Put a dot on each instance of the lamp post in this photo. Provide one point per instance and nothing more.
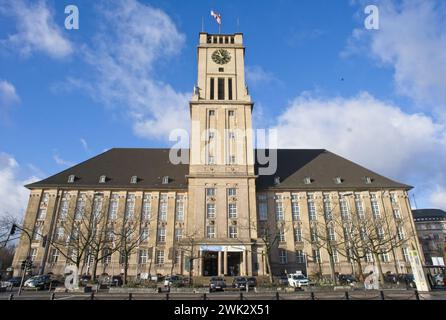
(28, 256)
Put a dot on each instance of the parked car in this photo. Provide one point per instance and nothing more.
(297, 280)
(41, 282)
(15, 281)
(173, 281)
(116, 281)
(252, 282)
(390, 278)
(347, 280)
(83, 280)
(408, 279)
(283, 280)
(217, 283)
(239, 282)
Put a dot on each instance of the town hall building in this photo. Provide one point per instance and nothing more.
(218, 213)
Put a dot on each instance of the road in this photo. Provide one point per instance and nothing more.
(228, 296)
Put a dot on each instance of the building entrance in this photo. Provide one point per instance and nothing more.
(210, 263)
(234, 261)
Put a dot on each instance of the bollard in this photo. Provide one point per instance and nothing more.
(277, 296)
(53, 296)
(167, 296)
(417, 295)
(347, 297)
(312, 295)
(11, 297)
(130, 296)
(241, 295)
(92, 296)
(382, 295)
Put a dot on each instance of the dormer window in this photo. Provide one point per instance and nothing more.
(276, 180)
(338, 180)
(368, 180)
(307, 180)
(134, 180)
(102, 179)
(71, 178)
(166, 180)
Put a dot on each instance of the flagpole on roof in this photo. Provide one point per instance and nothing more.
(202, 24)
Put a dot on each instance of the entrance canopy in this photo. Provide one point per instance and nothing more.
(223, 248)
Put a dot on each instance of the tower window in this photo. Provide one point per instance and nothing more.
(230, 88)
(231, 113)
(232, 39)
(211, 112)
(220, 39)
(212, 89)
(221, 69)
(221, 88)
(226, 40)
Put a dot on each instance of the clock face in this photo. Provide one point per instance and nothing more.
(221, 56)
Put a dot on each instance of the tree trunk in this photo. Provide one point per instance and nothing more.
(332, 268)
(360, 272)
(268, 265)
(95, 268)
(126, 267)
(380, 270)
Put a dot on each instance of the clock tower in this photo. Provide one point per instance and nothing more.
(221, 181)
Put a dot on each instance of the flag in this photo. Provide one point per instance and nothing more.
(216, 16)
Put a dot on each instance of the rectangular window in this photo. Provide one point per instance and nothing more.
(210, 210)
(161, 235)
(130, 206)
(359, 207)
(232, 210)
(397, 213)
(335, 256)
(159, 257)
(41, 214)
(298, 234)
(232, 192)
(283, 257)
(80, 207)
(37, 235)
(263, 211)
(107, 256)
(142, 257)
(327, 208)
(54, 255)
(212, 89)
(146, 207)
(178, 234)
(279, 211)
(369, 257)
(406, 254)
(345, 213)
(380, 232)
(144, 234)
(316, 256)
(295, 210)
(97, 206)
(113, 210)
(60, 233)
(375, 207)
(64, 207)
(232, 160)
(311, 208)
(384, 256)
(210, 231)
(221, 88)
(179, 215)
(33, 254)
(314, 236)
(282, 235)
(300, 257)
(230, 88)
(331, 233)
(210, 192)
(401, 234)
(233, 232)
(163, 207)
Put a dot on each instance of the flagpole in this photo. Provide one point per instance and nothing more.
(202, 24)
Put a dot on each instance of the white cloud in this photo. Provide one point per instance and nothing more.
(36, 29)
(256, 75)
(123, 59)
(379, 135)
(412, 41)
(438, 198)
(13, 194)
(8, 95)
(84, 145)
(61, 161)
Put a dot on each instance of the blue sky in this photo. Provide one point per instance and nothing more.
(315, 73)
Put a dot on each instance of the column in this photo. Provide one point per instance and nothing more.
(249, 263)
(243, 264)
(200, 263)
(219, 263)
(264, 263)
(225, 262)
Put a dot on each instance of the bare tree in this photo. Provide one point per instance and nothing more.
(188, 245)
